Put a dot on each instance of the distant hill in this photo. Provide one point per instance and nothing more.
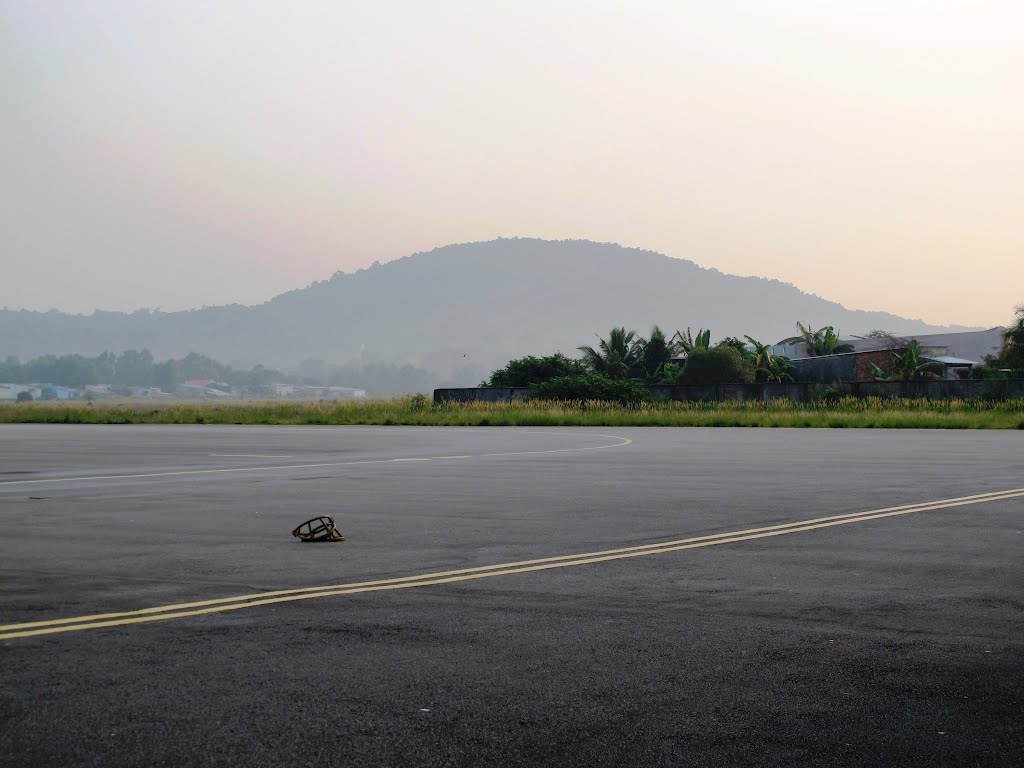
(460, 311)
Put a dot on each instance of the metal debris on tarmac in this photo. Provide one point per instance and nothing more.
(318, 529)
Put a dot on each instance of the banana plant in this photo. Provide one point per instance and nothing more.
(907, 366)
(769, 367)
(824, 341)
(686, 343)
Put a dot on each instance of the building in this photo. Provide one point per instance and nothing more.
(857, 366)
(9, 392)
(967, 345)
(830, 369)
(953, 368)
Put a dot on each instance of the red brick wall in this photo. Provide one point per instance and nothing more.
(881, 358)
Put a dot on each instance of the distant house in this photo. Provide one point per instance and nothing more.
(195, 388)
(11, 391)
(856, 366)
(953, 368)
(966, 345)
(954, 354)
(147, 391)
(313, 392)
(55, 392)
(345, 392)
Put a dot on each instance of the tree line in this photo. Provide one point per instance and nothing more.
(135, 368)
(623, 365)
(131, 368)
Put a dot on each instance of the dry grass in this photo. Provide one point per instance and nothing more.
(417, 410)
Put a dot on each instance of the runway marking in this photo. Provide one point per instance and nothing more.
(623, 441)
(220, 605)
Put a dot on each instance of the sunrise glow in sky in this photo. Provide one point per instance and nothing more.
(176, 154)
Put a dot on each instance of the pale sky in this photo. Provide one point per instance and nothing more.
(179, 154)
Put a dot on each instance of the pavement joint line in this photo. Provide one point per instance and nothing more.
(225, 470)
(252, 455)
(185, 610)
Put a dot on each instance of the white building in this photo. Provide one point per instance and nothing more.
(9, 392)
(968, 346)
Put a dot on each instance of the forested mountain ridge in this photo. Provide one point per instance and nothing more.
(460, 310)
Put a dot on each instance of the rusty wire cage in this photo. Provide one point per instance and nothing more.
(320, 528)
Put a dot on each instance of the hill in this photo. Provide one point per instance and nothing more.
(460, 311)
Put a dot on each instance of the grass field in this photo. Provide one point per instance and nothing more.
(418, 410)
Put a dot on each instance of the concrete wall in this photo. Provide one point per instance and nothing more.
(798, 392)
(804, 391)
(936, 390)
(721, 392)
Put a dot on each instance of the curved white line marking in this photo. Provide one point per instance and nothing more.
(226, 470)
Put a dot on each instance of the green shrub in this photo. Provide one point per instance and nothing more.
(718, 365)
(669, 373)
(592, 386)
(829, 397)
(530, 370)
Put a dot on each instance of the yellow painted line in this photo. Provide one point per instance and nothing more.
(919, 506)
(623, 441)
(185, 610)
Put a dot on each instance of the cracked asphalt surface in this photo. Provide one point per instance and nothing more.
(885, 642)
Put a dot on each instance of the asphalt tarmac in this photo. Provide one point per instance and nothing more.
(680, 613)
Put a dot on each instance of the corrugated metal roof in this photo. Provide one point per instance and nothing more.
(952, 361)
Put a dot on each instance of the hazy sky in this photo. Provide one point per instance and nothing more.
(175, 154)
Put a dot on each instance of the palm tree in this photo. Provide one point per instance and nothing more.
(769, 367)
(1012, 353)
(906, 366)
(685, 344)
(655, 353)
(824, 341)
(618, 356)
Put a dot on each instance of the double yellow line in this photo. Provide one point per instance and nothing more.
(224, 604)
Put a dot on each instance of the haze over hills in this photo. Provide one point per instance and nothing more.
(459, 311)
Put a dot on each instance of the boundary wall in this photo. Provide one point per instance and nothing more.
(798, 392)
